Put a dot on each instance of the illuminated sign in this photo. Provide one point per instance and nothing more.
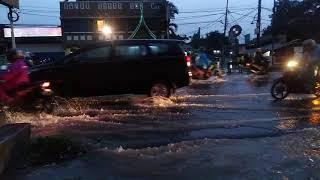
(12, 3)
(34, 32)
(89, 9)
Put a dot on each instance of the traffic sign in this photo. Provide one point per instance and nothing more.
(235, 31)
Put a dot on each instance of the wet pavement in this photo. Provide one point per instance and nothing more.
(223, 128)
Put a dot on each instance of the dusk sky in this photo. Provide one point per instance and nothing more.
(200, 13)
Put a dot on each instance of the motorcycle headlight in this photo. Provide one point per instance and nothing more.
(45, 85)
(292, 64)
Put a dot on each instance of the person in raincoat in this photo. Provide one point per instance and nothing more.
(15, 76)
(202, 60)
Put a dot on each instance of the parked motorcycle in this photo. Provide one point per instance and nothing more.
(291, 82)
(32, 96)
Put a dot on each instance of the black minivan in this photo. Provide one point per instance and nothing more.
(153, 67)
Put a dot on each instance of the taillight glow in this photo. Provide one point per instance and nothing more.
(188, 60)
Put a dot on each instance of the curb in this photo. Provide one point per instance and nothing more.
(14, 139)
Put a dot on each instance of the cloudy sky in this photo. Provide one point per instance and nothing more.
(206, 14)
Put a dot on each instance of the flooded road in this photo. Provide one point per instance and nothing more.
(208, 126)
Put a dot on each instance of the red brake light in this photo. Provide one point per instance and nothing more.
(188, 60)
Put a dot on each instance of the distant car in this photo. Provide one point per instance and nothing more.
(153, 67)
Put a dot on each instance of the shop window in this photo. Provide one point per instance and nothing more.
(100, 25)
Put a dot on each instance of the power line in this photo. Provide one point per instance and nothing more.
(250, 16)
(41, 7)
(207, 26)
(201, 16)
(268, 9)
(209, 11)
(43, 15)
(195, 17)
(244, 16)
(212, 9)
(39, 10)
(201, 22)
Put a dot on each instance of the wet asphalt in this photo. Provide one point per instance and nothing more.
(211, 124)
(237, 106)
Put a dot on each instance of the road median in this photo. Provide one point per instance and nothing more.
(14, 141)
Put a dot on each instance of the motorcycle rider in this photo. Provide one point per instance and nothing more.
(259, 62)
(202, 60)
(15, 76)
(311, 56)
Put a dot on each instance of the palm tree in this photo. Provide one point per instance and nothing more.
(173, 11)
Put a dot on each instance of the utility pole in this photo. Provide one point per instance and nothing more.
(259, 23)
(13, 39)
(273, 29)
(226, 19)
(225, 33)
(11, 4)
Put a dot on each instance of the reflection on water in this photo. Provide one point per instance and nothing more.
(259, 80)
(314, 118)
(310, 117)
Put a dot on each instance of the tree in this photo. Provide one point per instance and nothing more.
(296, 19)
(173, 27)
(212, 40)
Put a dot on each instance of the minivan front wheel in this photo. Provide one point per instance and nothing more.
(161, 89)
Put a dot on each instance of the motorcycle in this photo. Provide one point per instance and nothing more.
(290, 82)
(202, 73)
(258, 69)
(34, 95)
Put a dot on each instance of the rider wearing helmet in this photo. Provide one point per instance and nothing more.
(311, 57)
(15, 76)
(260, 63)
(311, 52)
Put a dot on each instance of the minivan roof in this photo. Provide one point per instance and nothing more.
(133, 41)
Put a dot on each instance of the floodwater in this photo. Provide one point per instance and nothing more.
(211, 129)
(235, 106)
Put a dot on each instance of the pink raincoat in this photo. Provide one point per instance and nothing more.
(16, 75)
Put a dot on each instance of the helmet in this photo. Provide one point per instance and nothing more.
(309, 44)
(15, 54)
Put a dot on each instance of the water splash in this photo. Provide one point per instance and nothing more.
(211, 80)
(154, 102)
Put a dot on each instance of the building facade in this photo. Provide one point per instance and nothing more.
(86, 22)
(45, 42)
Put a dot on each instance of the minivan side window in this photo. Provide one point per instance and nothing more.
(95, 54)
(130, 51)
(159, 49)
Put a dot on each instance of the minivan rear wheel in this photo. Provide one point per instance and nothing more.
(161, 89)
